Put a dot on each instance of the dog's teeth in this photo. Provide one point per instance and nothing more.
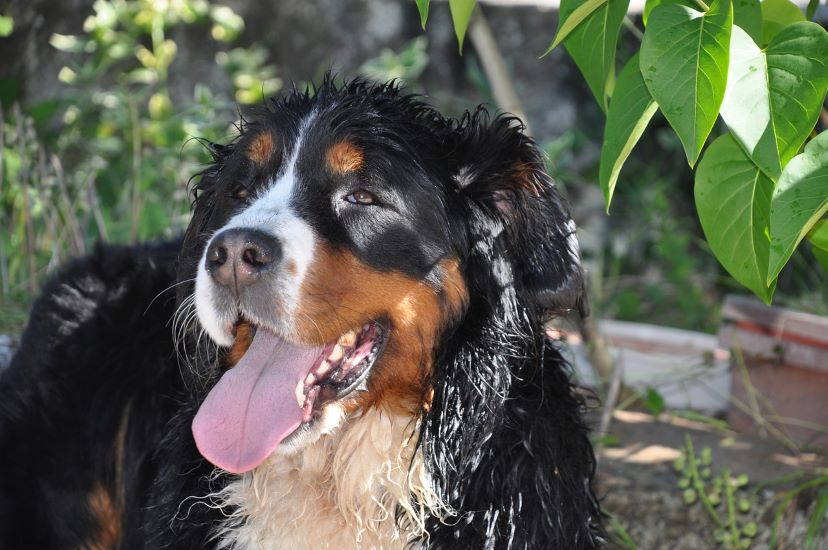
(336, 354)
(300, 394)
(324, 368)
(348, 339)
(310, 379)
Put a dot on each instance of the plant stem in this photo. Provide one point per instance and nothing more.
(635, 31)
(703, 6)
(698, 484)
(731, 507)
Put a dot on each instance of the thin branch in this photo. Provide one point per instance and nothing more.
(635, 31)
(486, 47)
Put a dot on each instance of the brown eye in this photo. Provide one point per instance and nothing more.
(240, 192)
(361, 197)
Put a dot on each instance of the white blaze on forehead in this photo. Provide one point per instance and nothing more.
(272, 213)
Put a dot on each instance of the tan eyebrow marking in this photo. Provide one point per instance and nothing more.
(344, 157)
(262, 147)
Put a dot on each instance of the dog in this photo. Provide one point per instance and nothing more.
(345, 350)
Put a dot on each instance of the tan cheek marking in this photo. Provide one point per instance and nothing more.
(340, 293)
(344, 158)
(108, 518)
(244, 337)
(262, 148)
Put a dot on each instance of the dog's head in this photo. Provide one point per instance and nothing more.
(341, 242)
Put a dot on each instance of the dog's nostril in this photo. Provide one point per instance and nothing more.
(216, 254)
(254, 257)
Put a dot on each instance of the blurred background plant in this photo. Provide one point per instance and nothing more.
(110, 157)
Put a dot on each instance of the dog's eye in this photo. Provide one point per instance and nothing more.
(361, 196)
(240, 192)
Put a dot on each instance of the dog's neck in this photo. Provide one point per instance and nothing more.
(343, 491)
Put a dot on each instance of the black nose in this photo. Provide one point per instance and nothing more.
(236, 257)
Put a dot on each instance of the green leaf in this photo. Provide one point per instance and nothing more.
(776, 15)
(797, 60)
(6, 25)
(650, 5)
(822, 257)
(461, 12)
(422, 7)
(684, 58)
(654, 401)
(812, 536)
(733, 202)
(569, 20)
(630, 110)
(799, 201)
(767, 106)
(746, 108)
(747, 14)
(810, 11)
(818, 235)
(593, 44)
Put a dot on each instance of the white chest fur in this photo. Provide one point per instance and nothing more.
(340, 492)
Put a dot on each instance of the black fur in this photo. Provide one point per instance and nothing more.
(503, 436)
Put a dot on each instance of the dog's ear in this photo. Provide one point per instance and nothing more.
(500, 170)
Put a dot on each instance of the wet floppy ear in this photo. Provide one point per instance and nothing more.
(501, 171)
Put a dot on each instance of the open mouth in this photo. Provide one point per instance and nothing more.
(277, 387)
(342, 368)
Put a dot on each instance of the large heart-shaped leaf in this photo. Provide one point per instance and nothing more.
(766, 106)
(684, 58)
(733, 202)
(592, 44)
(799, 201)
(630, 110)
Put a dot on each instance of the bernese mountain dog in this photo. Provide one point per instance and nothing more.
(346, 350)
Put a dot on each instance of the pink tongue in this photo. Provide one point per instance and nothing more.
(253, 406)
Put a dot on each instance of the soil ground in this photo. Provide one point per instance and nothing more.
(639, 485)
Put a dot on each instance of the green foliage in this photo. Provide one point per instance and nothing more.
(628, 116)
(593, 42)
(762, 69)
(726, 181)
(653, 400)
(724, 497)
(406, 65)
(684, 58)
(799, 201)
(6, 25)
(112, 165)
(776, 15)
(461, 12)
(422, 7)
